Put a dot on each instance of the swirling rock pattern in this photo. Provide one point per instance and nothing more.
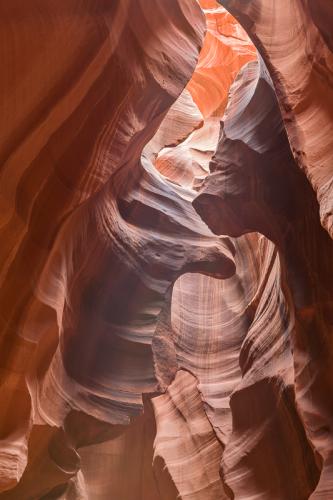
(225, 49)
(255, 185)
(295, 40)
(87, 121)
(165, 282)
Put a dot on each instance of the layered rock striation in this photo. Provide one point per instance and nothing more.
(165, 279)
(256, 186)
(295, 40)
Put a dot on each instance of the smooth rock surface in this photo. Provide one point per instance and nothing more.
(166, 281)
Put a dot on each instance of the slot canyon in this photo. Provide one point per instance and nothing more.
(166, 256)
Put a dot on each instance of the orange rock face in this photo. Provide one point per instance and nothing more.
(165, 265)
(225, 49)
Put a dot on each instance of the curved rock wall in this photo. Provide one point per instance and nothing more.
(255, 185)
(295, 39)
(165, 281)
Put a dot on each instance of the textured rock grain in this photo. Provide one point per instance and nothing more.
(255, 185)
(295, 39)
(166, 279)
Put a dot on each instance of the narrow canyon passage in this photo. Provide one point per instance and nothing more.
(166, 283)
